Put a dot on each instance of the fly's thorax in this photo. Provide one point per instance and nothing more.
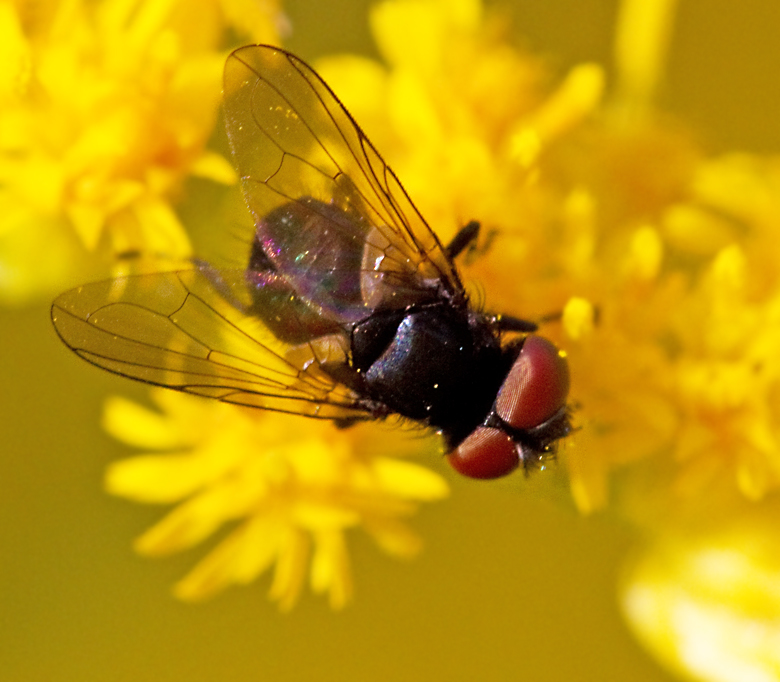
(429, 363)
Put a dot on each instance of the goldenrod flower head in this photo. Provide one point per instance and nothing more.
(660, 260)
(707, 603)
(105, 108)
(294, 487)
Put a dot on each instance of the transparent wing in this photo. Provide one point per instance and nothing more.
(295, 143)
(186, 331)
(335, 236)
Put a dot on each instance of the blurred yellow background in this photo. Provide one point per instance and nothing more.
(512, 584)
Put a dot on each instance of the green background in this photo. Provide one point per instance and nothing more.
(513, 583)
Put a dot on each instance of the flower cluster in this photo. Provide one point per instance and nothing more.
(105, 110)
(660, 259)
(292, 491)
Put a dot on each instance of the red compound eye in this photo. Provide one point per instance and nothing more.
(536, 386)
(533, 392)
(486, 453)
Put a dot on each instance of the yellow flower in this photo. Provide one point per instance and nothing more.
(290, 487)
(105, 110)
(672, 251)
(707, 603)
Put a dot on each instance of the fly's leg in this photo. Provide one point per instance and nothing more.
(466, 235)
